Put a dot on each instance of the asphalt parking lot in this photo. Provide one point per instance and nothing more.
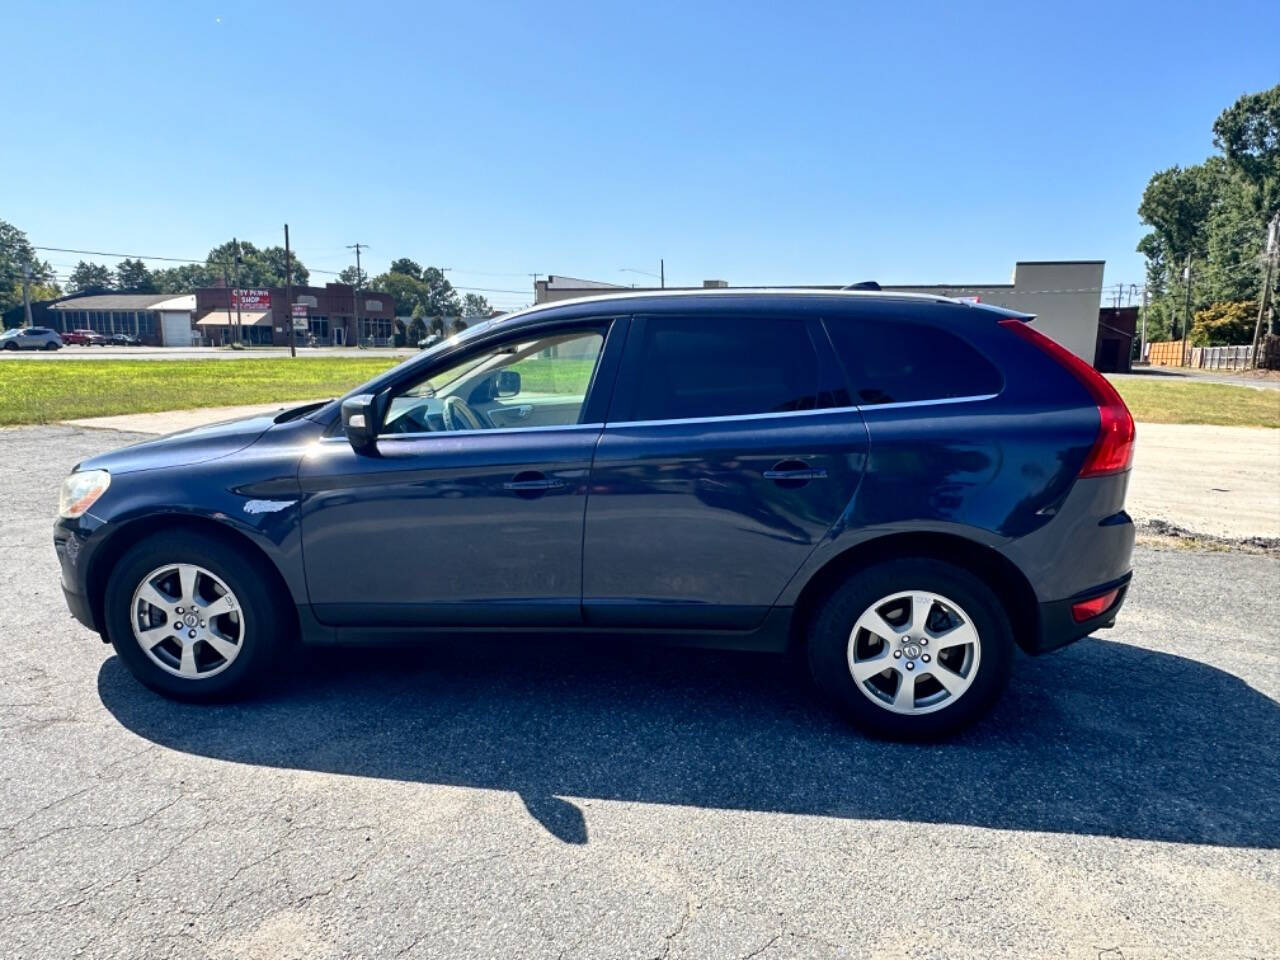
(553, 800)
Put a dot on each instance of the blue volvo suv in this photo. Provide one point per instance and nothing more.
(899, 487)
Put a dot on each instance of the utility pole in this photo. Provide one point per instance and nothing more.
(226, 282)
(1264, 301)
(355, 299)
(26, 291)
(288, 295)
(236, 266)
(1186, 317)
(662, 273)
(1142, 323)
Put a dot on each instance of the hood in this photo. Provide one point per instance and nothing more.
(187, 447)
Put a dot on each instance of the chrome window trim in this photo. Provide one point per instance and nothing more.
(802, 413)
(341, 438)
(905, 404)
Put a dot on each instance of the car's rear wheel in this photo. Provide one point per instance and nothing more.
(11, 346)
(911, 648)
(192, 617)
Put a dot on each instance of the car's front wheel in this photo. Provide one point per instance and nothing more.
(193, 617)
(911, 648)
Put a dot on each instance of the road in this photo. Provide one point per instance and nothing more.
(74, 352)
(551, 800)
(1232, 377)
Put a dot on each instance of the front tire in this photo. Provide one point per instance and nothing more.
(910, 649)
(192, 617)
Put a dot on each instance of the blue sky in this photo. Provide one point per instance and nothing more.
(799, 142)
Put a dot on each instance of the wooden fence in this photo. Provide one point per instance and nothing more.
(1174, 353)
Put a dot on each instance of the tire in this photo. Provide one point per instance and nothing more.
(255, 630)
(50, 346)
(968, 643)
(11, 346)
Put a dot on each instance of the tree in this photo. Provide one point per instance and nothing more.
(457, 326)
(87, 277)
(1248, 134)
(410, 293)
(256, 268)
(442, 299)
(353, 278)
(1177, 202)
(132, 276)
(417, 325)
(474, 305)
(17, 254)
(437, 326)
(273, 264)
(186, 278)
(406, 266)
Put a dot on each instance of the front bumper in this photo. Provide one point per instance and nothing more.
(74, 543)
(1058, 627)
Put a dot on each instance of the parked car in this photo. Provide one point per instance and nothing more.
(125, 340)
(84, 338)
(900, 488)
(430, 340)
(30, 338)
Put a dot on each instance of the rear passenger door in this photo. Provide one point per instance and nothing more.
(730, 449)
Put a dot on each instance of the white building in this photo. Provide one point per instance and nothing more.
(155, 318)
(1063, 294)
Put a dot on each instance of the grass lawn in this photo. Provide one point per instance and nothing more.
(34, 391)
(43, 392)
(1165, 400)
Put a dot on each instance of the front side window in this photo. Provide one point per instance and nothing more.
(694, 367)
(538, 381)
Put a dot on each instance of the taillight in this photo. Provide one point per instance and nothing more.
(1088, 609)
(1112, 451)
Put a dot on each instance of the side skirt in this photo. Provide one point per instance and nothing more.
(771, 636)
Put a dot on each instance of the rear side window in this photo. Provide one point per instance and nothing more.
(891, 361)
(722, 367)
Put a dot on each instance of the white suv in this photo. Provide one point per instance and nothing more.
(30, 338)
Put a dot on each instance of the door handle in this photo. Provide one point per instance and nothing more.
(532, 483)
(794, 473)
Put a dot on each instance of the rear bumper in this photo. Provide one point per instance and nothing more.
(1058, 627)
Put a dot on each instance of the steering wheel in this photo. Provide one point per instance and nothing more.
(458, 416)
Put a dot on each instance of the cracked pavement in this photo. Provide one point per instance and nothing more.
(559, 800)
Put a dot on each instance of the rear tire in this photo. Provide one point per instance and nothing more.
(942, 664)
(170, 592)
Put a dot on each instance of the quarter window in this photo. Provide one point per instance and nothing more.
(722, 367)
(890, 361)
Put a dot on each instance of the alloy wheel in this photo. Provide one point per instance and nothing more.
(187, 621)
(914, 652)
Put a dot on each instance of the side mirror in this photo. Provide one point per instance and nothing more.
(506, 383)
(360, 422)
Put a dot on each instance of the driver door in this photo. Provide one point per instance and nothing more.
(468, 514)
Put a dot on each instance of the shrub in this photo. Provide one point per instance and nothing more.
(1225, 324)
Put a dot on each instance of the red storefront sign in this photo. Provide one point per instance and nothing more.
(251, 299)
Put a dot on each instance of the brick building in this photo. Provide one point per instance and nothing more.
(265, 315)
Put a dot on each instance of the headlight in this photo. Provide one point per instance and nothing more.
(80, 491)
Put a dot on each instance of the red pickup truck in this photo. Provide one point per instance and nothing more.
(85, 338)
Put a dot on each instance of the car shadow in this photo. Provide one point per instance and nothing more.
(1102, 738)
